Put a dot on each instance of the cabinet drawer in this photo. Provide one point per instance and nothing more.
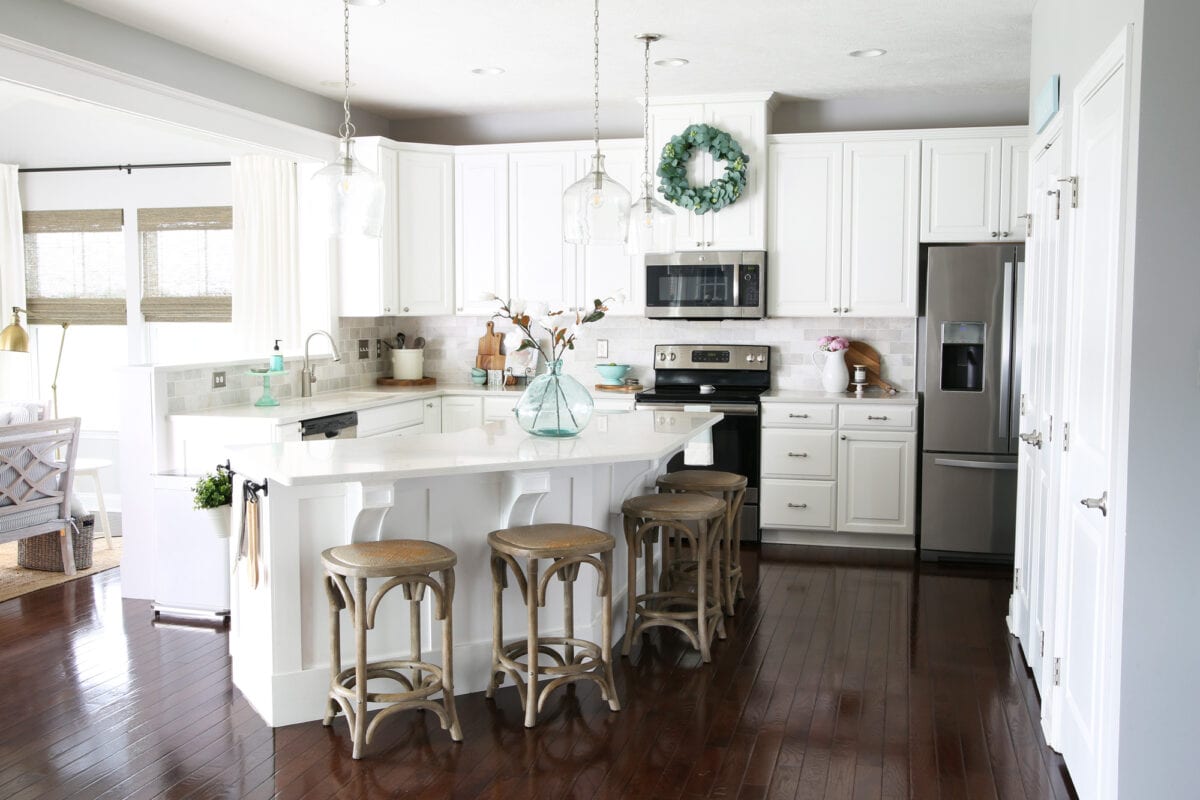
(497, 408)
(799, 415)
(796, 504)
(799, 454)
(865, 416)
(385, 418)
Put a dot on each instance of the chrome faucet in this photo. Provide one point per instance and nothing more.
(308, 375)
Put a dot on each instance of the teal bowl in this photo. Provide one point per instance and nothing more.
(612, 374)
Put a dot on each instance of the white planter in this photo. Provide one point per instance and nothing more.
(220, 520)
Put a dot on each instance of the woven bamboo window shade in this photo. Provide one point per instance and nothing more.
(187, 263)
(75, 267)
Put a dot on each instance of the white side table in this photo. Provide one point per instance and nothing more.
(91, 467)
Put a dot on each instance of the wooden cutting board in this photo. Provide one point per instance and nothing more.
(863, 353)
(490, 345)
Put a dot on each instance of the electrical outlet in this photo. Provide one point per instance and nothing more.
(218, 381)
(379, 348)
(602, 348)
(364, 349)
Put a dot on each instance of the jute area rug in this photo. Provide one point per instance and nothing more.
(16, 581)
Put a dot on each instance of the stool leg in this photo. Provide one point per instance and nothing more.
(614, 702)
(415, 593)
(360, 667)
(569, 612)
(702, 543)
(631, 548)
(499, 579)
(448, 654)
(727, 562)
(717, 572)
(335, 647)
(531, 608)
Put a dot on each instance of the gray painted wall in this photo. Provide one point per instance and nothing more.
(1160, 694)
(65, 28)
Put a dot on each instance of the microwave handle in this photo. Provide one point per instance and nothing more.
(737, 286)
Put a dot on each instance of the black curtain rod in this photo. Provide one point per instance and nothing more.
(127, 168)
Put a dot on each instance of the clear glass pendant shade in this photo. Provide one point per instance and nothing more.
(596, 208)
(651, 225)
(353, 194)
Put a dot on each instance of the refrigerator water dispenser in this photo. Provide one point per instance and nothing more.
(962, 356)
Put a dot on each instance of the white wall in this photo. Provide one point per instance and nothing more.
(1160, 695)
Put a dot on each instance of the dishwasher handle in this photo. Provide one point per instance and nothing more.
(333, 426)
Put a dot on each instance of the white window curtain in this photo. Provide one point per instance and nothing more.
(266, 264)
(15, 381)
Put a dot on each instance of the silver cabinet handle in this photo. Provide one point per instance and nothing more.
(881, 419)
(798, 455)
(387, 308)
(429, 405)
(797, 416)
(797, 505)
(995, 234)
(845, 311)
(708, 244)
(835, 310)
(1034, 439)
(1100, 502)
(699, 244)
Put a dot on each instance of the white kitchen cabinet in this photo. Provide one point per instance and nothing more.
(431, 414)
(606, 270)
(741, 225)
(480, 230)
(408, 269)
(543, 265)
(385, 420)
(876, 482)
(461, 413)
(804, 222)
(499, 408)
(973, 189)
(880, 252)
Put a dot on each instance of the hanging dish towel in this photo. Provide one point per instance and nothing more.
(248, 536)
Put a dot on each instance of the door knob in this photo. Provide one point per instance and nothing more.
(1034, 439)
(1100, 503)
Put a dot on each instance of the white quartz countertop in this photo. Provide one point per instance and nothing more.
(873, 395)
(496, 447)
(296, 409)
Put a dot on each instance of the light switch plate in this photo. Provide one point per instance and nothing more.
(364, 349)
(602, 348)
(218, 380)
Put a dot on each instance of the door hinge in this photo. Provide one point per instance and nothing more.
(1074, 181)
(1058, 672)
(1042, 634)
(1022, 404)
(1017, 578)
(1066, 436)
(1057, 195)
(1050, 430)
(1028, 224)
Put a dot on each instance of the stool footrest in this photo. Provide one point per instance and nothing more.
(430, 684)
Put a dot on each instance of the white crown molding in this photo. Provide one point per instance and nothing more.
(771, 99)
(1001, 131)
(58, 73)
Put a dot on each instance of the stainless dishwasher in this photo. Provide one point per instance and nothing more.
(333, 426)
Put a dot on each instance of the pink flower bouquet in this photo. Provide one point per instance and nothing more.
(833, 343)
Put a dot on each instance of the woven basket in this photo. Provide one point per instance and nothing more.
(45, 553)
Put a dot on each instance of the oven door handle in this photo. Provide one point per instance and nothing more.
(731, 409)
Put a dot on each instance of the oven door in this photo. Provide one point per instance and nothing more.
(709, 285)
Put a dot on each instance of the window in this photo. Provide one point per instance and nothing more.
(187, 263)
(75, 267)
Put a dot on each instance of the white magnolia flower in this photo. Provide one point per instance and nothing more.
(537, 310)
(517, 306)
(621, 297)
(486, 296)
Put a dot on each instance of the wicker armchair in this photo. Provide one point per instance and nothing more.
(37, 465)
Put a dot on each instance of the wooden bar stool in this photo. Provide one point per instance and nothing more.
(697, 615)
(569, 546)
(732, 488)
(410, 564)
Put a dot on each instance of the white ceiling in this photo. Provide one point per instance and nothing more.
(413, 59)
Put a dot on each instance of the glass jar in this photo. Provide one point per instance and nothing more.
(554, 404)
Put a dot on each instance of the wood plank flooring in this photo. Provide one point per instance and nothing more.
(843, 676)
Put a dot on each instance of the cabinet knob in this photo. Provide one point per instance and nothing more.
(835, 309)
(387, 309)
(995, 234)
(708, 244)
(699, 244)
(845, 310)
(797, 505)
(460, 308)
(1004, 234)
(843, 437)
(429, 405)
(406, 308)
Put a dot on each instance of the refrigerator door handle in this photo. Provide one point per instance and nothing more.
(1003, 466)
(1014, 393)
(1006, 324)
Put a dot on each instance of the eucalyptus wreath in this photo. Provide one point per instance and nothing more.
(720, 192)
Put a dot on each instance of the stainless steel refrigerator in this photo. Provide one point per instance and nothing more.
(971, 410)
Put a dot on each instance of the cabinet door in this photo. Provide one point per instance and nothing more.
(605, 270)
(879, 228)
(665, 122)
(1014, 197)
(543, 264)
(368, 267)
(805, 223)
(499, 408)
(739, 226)
(876, 489)
(425, 233)
(481, 230)
(461, 413)
(431, 414)
(960, 190)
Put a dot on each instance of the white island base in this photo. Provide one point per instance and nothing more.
(449, 488)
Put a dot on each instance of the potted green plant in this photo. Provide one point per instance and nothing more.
(213, 494)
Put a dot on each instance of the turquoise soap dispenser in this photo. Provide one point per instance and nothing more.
(277, 358)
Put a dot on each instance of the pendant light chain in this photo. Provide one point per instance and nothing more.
(347, 128)
(646, 118)
(596, 75)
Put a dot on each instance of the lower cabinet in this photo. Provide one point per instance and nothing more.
(461, 413)
(876, 482)
(431, 414)
(797, 504)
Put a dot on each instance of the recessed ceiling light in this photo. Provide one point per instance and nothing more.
(489, 70)
(367, 3)
(672, 62)
(873, 52)
(338, 84)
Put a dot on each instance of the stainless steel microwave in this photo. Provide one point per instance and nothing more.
(706, 284)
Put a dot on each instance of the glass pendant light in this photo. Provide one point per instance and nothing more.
(651, 221)
(596, 208)
(353, 194)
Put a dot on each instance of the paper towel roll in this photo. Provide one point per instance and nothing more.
(408, 365)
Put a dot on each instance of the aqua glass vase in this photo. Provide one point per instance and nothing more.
(554, 405)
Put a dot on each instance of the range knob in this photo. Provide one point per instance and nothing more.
(759, 358)
(749, 358)
(672, 356)
(662, 356)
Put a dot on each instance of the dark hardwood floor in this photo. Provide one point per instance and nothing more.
(864, 678)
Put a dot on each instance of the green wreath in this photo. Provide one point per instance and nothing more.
(720, 192)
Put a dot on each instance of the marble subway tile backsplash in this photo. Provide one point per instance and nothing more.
(452, 343)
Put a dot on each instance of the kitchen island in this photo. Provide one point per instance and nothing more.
(450, 488)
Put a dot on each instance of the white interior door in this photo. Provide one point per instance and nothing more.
(1083, 631)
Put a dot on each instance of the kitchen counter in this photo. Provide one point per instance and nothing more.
(873, 395)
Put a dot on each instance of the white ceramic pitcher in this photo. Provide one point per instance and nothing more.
(834, 375)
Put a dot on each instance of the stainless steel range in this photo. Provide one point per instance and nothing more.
(724, 378)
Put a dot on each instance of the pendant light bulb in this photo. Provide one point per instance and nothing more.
(595, 207)
(652, 226)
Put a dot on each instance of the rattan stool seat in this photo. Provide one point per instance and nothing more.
(387, 558)
(701, 480)
(681, 507)
(550, 541)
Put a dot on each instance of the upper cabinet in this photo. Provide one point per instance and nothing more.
(408, 270)
(973, 188)
(741, 225)
(541, 263)
(606, 271)
(843, 228)
(480, 230)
